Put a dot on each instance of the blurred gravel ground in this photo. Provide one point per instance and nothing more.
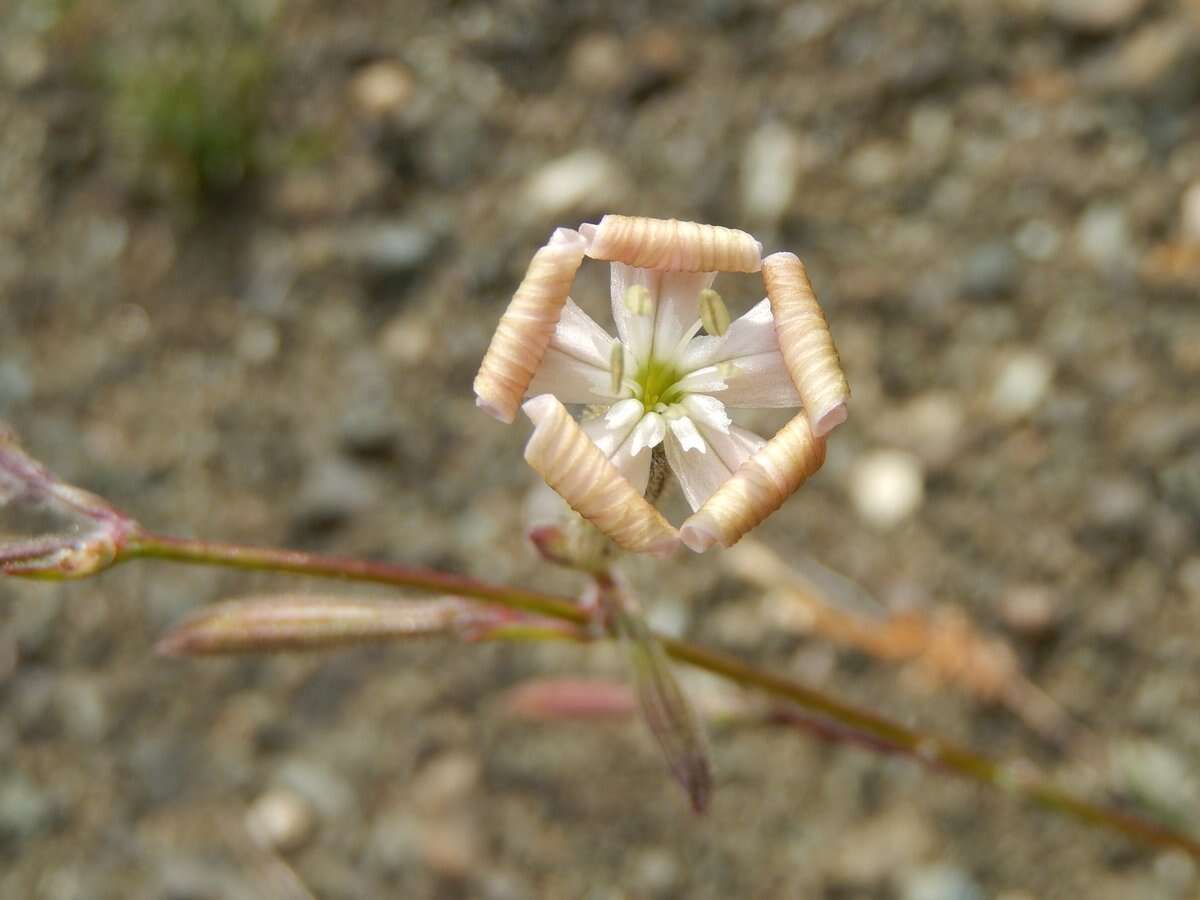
(1000, 206)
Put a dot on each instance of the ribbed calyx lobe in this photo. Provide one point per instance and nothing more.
(670, 245)
(807, 346)
(527, 325)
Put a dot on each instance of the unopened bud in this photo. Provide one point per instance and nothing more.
(638, 300)
(714, 314)
(307, 622)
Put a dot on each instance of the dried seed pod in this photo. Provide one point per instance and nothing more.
(527, 325)
(807, 345)
(562, 453)
(757, 488)
(672, 246)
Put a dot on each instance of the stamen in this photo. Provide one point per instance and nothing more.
(638, 300)
(713, 312)
(616, 366)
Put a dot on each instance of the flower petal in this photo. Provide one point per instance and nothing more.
(701, 474)
(574, 466)
(636, 331)
(526, 328)
(750, 334)
(579, 335)
(757, 488)
(571, 380)
(624, 413)
(685, 431)
(806, 342)
(707, 410)
(677, 310)
(750, 382)
(614, 435)
(649, 432)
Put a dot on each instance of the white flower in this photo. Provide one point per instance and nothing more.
(661, 381)
(676, 383)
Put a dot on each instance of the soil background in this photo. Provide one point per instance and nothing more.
(250, 257)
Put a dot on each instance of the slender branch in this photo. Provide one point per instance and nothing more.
(870, 727)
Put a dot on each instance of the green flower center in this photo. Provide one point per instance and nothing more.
(657, 383)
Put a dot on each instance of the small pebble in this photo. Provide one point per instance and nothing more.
(991, 270)
(597, 62)
(330, 794)
(446, 781)
(931, 129)
(1038, 240)
(1029, 609)
(382, 88)
(386, 246)
(940, 882)
(868, 853)
(1156, 775)
(281, 820)
(656, 872)
(333, 492)
(1095, 16)
(770, 166)
(258, 342)
(1102, 237)
(582, 181)
(1022, 385)
(887, 486)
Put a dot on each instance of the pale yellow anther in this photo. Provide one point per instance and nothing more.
(616, 366)
(714, 314)
(638, 300)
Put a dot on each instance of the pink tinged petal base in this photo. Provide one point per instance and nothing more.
(757, 488)
(672, 246)
(562, 453)
(527, 325)
(806, 343)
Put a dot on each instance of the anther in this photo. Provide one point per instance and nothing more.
(616, 365)
(714, 315)
(638, 300)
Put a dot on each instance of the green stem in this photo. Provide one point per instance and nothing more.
(877, 730)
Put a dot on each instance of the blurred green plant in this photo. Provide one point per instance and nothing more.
(186, 115)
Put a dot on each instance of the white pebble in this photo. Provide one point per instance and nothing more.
(381, 88)
(770, 166)
(1038, 240)
(280, 820)
(887, 486)
(1021, 385)
(1102, 237)
(579, 180)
